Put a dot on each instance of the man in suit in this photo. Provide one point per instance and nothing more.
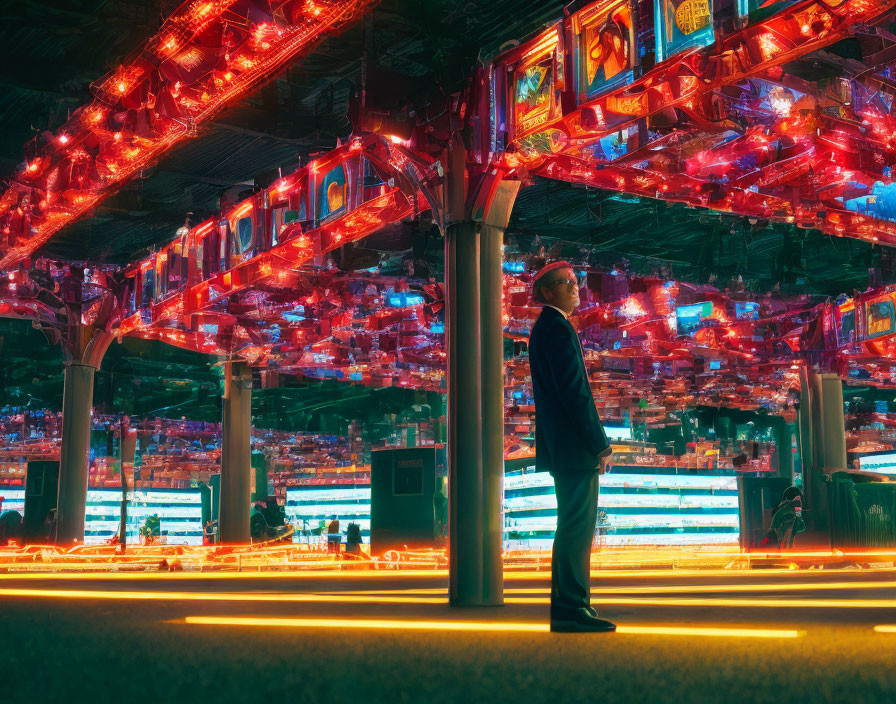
(570, 443)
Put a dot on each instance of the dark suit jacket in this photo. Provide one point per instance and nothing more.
(569, 436)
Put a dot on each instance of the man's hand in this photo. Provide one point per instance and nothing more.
(604, 462)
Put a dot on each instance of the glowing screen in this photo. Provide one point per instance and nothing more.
(882, 464)
(880, 317)
(606, 46)
(331, 194)
(689, 317)
(681, 25)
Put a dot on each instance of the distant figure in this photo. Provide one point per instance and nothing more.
(353, 540)
(210, 532)
(10, 528)
(49, 532)
(787, 520)
(334, 538)
(151, 530)
(569, 443)
(440, 510)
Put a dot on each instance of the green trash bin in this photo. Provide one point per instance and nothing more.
(863, 513)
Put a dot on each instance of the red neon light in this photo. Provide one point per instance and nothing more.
(207, 54)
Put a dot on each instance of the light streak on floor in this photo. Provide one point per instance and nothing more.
(690, 588)
(885, 629)
(294, 559)
(758, 603)
(476, 626)
(348, 574)
(392, 599)
(212, 596)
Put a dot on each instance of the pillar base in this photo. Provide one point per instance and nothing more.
(236, 429)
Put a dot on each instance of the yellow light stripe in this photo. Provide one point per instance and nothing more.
(362, 623)
(358, 599)
(477, 626)
(885, 629)
(760, 603)
(711, 632)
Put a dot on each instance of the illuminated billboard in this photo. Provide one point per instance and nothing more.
(618, 432)
(883, 463)
(535, 84)
(682, 25)
(179, 512)
(606, 46)
(846, 323)
(880, 317)
(690, 317)
(331, 193)
(13, 499)
(637, 506)
(746, 310)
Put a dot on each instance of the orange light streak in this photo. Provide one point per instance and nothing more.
(242, 210)
(674, 589)
(209, 596)
(102, 572)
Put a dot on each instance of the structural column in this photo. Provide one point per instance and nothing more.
(465, 461)
(476, 218)
(784, 449)
(85, 347)
(495, 219)
(834, 425)
(236, 428)
(77, 407)
(823, 440)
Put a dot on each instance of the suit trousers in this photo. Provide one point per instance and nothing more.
(571, 560)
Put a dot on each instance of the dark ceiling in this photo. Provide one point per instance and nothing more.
(54, 50)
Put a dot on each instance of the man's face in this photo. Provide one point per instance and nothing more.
(562, 290)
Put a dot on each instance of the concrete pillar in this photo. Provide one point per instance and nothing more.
(236, 428)
(477, 209)
(804, 419)
(495, 219)
(826, 440)
(492, 346)
(783, 449)
(465, 479)
(834, 438)
(77, 407)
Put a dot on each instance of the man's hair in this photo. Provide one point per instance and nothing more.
(544, 278)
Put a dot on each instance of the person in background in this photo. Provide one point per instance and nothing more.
(334, 537)
(353, 540)
(787, 520)
(570, 443)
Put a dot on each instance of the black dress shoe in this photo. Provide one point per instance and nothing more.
(566, 615)
(581, 621)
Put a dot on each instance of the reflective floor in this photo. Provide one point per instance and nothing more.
(685, 635)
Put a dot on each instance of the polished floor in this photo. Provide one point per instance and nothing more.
(685, 636)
